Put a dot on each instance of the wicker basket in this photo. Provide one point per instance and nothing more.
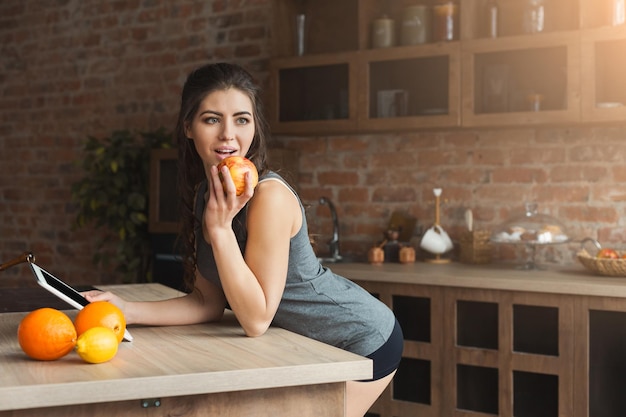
(606, 267)
(476, 247)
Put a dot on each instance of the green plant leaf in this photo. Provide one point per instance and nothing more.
(113, 194)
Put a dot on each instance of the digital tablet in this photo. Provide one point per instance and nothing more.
(63, 291)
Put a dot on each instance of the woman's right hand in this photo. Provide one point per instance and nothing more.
(224, 203)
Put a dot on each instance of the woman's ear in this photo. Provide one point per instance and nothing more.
(187, 130)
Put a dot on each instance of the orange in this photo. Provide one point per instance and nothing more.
(46, 334)
(97, 345)
(103, 314)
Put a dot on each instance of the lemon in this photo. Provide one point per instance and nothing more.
(97, 345)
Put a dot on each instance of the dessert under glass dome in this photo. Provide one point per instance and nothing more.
(531, 229)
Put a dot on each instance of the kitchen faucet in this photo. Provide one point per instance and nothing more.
(333, 243)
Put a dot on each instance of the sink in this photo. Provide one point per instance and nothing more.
(331, 260)
(340, 259)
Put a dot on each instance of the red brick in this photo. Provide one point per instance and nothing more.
(538, 155)
(619, 173)
(519, 175)
(562, 193)
(355, 194)
(338, 178)
(569, 173)
(588, 213)
(393, 194)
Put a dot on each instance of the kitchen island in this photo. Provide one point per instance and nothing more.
(197, 370)
(497, 340)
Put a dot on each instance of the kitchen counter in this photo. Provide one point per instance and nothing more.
(573, 280)
(181, 370)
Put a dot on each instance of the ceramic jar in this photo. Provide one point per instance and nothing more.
(416, 25)
(376, 256)
(383, 33)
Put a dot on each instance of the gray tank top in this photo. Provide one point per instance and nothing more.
(316, 302)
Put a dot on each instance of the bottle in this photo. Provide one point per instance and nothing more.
(445, 21)
(492, 18)
(619, 12)
(534, 16)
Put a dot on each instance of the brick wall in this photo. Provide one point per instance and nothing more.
(72, 69)
(574, 173)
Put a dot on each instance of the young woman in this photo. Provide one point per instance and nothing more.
(252, 252)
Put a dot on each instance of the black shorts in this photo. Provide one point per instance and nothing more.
(387, 358)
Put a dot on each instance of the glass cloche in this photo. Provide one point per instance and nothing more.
(531, 229)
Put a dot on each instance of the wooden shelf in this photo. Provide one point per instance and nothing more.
(573, 64)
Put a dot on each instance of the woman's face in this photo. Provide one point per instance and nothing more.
(222, 127)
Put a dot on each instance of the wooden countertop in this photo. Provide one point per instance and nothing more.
(170, 361)
(573, 280)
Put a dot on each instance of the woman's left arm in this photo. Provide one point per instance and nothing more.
(254, 285)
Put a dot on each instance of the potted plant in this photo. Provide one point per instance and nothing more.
(113, 195)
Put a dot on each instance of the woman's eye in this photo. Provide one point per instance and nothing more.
(211, 120)
(243, 120)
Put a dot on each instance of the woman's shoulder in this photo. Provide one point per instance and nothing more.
(272, 180)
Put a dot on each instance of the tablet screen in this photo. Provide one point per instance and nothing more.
(64, 288)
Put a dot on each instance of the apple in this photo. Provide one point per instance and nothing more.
(238, 166)
(607, 254)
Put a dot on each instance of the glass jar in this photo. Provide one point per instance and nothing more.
(445, 21)
(534, 16)
(491, 17)
(618, 15)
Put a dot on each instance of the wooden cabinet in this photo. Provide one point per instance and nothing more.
(423, 82)
(314, 93)
(490, 341)
(603, 69)
(569, 72)
(522, 80)
(479, 352)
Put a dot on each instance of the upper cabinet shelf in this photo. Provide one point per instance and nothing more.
(522, 80)
(603, 69)
(370, 65)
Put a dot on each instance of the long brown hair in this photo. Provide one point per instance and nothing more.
(200, 83)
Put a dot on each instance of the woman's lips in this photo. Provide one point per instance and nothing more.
(225, 153)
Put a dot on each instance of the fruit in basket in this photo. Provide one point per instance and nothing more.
(238, 166)
(101, 313)
(97, 345)
(46, 334)
(607, 253)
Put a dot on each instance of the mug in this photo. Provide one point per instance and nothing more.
(436, 240)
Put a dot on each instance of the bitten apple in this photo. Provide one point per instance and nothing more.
(238, 166)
